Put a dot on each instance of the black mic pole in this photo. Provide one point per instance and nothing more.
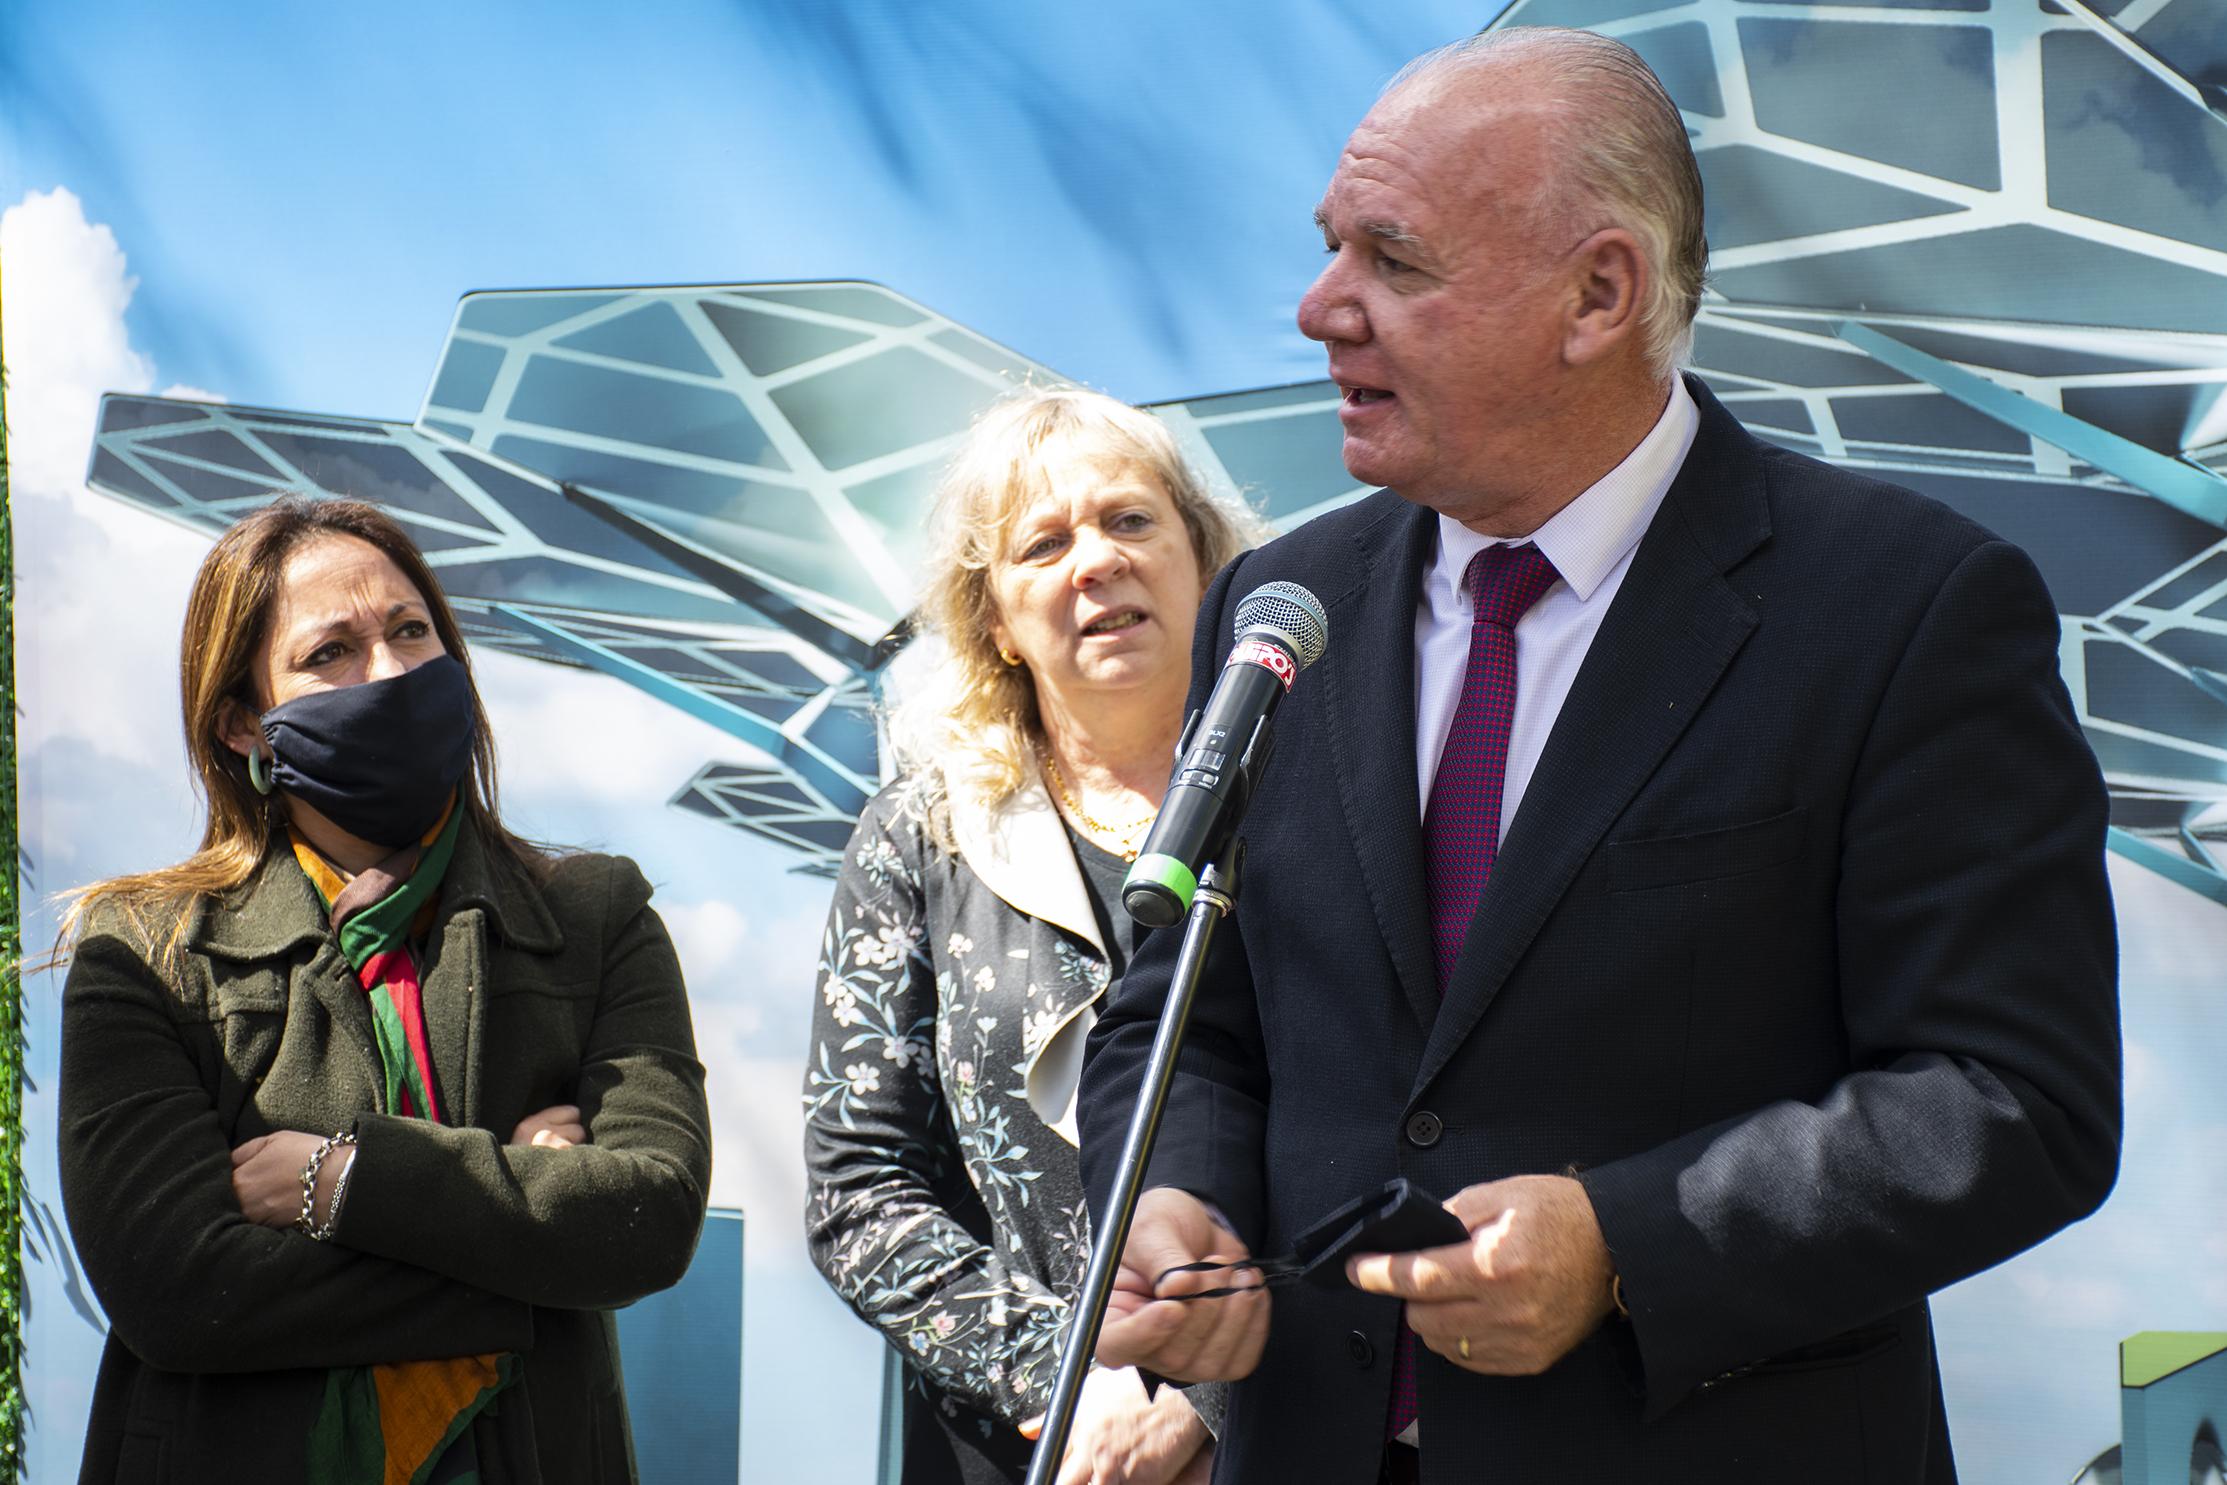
(1215, 899)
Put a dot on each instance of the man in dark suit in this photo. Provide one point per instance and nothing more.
(1684, 855)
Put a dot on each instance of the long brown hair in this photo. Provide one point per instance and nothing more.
(227, 618)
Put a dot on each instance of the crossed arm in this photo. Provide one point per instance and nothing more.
(267, 1170)
(189, 1282)
(443, 1254)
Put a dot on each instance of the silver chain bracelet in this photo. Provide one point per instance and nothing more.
(306, 1223)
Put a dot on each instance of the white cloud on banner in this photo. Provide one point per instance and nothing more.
(99, 593)
(63, 333)
(100, 588)
(62, 326)
(706, 934)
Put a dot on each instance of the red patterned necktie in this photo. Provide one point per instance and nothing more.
(1461, 826)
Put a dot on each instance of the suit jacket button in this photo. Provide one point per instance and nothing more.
(1424, 1129)
(1364, 1354)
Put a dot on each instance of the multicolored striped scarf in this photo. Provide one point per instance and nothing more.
(408, 1423)
(374, 915)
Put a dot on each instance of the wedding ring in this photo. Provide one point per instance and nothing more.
(1465, 1348)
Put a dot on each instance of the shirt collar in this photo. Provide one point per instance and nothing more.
(1587, 538)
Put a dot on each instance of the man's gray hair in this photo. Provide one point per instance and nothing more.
(1625, 157)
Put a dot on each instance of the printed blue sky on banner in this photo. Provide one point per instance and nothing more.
(1122, 193)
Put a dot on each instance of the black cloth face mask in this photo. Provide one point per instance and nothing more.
(379, 759)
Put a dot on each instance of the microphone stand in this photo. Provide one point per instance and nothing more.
(1214, 900)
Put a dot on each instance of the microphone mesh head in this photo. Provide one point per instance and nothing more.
(1292, 614)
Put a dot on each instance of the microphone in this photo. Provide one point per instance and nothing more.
(1280, 632)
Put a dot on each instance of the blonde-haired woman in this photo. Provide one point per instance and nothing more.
(369, 1109)
(977, 925)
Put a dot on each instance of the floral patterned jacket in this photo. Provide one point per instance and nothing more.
(956, 988)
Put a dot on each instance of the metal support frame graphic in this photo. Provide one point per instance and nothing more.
(2189, 488)
(788, 745)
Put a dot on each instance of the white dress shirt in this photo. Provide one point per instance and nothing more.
(1590, 541)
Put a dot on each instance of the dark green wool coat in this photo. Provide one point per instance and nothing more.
(449, 1242)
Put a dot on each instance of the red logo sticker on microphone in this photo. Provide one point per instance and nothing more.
(1261, 652)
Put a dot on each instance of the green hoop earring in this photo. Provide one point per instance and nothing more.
(259, 772)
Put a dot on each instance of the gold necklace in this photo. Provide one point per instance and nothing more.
(1129, 837)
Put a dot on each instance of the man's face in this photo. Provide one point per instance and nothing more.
(1441, 305)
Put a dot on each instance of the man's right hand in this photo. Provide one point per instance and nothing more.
(1208, 1340)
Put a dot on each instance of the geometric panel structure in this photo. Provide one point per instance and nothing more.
(1979, 247)
(824, 737)
(493, 530)
(776, 804)
(1820, 82)
(715, 494)
(1277, 449)
(792, 431)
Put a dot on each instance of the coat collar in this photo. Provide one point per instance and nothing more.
(277, 910)
(1672, 630)
(1020, 851)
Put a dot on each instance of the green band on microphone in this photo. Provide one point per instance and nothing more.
(1165, 871)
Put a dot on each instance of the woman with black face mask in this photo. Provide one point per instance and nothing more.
(370, 1110)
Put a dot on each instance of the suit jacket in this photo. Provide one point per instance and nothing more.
(1799, 951)
(449, 1243)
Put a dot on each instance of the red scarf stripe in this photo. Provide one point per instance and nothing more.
(397, 970)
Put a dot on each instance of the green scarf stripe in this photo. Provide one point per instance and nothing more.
(394, 1055)
(387, 921)
(346, 1446)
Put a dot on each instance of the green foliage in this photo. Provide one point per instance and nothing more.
(12, 1461)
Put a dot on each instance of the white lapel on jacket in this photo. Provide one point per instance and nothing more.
(1020, 852)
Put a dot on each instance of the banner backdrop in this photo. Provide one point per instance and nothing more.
(398, 254)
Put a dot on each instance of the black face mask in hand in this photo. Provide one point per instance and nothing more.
(379, 759)
(1398, 1218)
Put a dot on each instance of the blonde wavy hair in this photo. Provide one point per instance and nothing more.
(974, 718)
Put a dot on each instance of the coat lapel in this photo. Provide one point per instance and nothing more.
(1369, 708)
(1020, 852)
(455, 999)
(1674, 626)
(483, 891)
(278, 913)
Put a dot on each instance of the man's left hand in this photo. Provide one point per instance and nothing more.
(1531, 1282)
